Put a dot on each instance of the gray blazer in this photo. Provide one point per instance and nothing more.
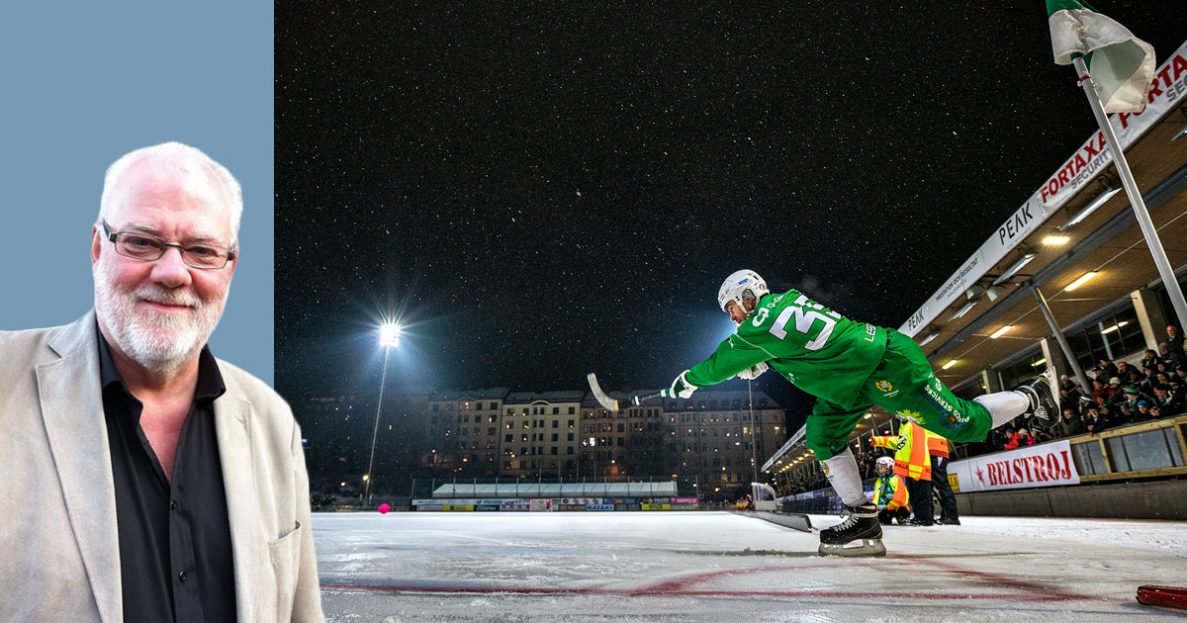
(59, 550)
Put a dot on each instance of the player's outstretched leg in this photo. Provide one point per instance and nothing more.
(1035, 397)
(859, 534)
(1041, 395)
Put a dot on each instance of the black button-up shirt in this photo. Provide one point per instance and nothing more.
(174, 539)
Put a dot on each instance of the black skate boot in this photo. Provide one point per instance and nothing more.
(1042, 400)
(859, 534)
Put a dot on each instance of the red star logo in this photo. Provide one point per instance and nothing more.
(980, 475)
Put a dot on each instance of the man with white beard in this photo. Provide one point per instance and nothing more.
(143, 479)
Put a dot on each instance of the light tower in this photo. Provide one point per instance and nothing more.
(389, 338)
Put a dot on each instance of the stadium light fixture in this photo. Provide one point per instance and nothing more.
(1056, 240)
(1092, 206)
(966, 308)
(951, 362)
(1014, 268)
(1180, 134)
(931, 336)
(1083, 279)
(1113, 328)
(1038, 363)
(389, 338)
(389, 334)
(1000, 332)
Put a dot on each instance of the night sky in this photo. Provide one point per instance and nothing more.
(547, 189)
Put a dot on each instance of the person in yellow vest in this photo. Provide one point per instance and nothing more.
(911, 461)
(890, 493)
(937, 450)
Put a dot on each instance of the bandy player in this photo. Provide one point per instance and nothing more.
(849, 367)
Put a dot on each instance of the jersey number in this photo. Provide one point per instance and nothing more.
(806, 313)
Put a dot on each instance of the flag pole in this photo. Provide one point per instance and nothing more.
(1165, 271)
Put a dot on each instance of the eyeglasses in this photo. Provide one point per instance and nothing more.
(149, 248)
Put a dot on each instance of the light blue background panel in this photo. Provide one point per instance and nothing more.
(83, 83)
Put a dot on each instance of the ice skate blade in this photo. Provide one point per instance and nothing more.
(864, 548)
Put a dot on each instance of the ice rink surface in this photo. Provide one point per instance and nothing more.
(717, 566)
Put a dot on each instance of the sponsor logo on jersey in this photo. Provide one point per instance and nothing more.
(952, 419)
(871, 332)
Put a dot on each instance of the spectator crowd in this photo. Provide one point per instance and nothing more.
(1122, 393)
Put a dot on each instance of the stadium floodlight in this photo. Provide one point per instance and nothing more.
(389, 338)
(1013, 270)
(1092, 206)
(1000, 332)
(389, 334)
(951, 362)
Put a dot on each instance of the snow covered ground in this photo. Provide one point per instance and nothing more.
(716, 566)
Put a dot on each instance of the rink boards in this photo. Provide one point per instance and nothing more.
(555, 504)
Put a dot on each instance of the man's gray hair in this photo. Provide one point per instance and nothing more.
(117, 169)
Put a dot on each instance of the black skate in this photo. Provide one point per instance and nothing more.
(1042, 400)
(859, 534)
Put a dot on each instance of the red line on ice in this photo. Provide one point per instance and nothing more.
(523, 590)
(994, 578)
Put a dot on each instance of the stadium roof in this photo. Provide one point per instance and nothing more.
(1108, 241)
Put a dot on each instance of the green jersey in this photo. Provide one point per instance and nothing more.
(817, 349)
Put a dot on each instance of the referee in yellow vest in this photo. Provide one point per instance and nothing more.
(912, 461)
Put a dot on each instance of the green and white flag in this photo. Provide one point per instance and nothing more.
(1122, 65)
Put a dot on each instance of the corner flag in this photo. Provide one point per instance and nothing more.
(1122, 65)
